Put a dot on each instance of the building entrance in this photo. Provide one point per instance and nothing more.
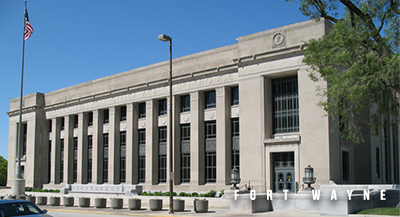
(283, 170)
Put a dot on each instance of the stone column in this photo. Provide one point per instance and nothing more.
(176, 140)
(151, 143)
(113, 147)
(55, 151)
(223, 135)
(131, 146)
(68, 149)
(97, 148)
(82, 148)
(196, 139)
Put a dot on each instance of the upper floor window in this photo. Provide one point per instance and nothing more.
(123, 113)
(235, 95)
(50, 125)
(75, 121)
(211, 100)
(106, 116)
(62, 123)
(285, 101)
(142, 110)
(90, 118)
(185, 103)
(163, 106)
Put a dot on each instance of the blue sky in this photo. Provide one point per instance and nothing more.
(75, 41)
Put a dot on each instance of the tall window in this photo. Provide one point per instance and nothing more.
(285, 105)
(24, 139)
(185, 152)
(61, 160)
(235, 143)
(163, 106)
(75, 162)
(123, 113)
(345, 165)
(76, 121)
(122, 165)
(211, 151)
(90, 146)
(105, 157)
(377, 163)
(185, 103)
(50, 125)
(235, 95)
(62, 123)
(162, 154)
(49, 172)
(211, 100)
(142, 155)
(142, 110)
(106, 116)
(90, 119)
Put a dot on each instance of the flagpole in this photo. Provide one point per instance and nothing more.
(19, 182)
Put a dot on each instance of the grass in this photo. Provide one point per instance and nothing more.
(381, 211)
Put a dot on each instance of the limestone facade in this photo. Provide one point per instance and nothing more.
(113, 130)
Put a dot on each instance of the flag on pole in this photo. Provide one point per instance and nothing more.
(28, 28)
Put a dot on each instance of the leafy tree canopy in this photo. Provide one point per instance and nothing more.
(359, 58)
(3, 171)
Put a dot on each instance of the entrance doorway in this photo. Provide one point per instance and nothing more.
(283, 171)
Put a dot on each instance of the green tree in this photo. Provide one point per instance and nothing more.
(3, 171)
(359, 58)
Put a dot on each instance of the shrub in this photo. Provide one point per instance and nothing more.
(166, 193)
(151, 194)
(158, 193)
(202, 195)
(222, 193)
(144, 193)
(182, 194)
(195, 194)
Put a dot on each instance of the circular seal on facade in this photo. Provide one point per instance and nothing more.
(237, 112)
(278, 38)
(211, 115)
(185, 118)
(164, 121)
(143, 123)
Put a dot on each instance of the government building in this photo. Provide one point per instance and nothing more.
(250, 106)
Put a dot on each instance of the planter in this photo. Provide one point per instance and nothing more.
(41, 200)
(54, 201)
(179, 205)
(100, 202)
(134, 204)
(117, 203)
(155, 204)
(200, 206)
(84, 202)
(68, 201)
(32, 199)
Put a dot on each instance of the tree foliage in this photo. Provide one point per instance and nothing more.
(3, 171)
(359, 58)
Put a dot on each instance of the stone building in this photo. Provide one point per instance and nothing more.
(249, 105)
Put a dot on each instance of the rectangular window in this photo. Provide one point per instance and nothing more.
(75, 162)
(211, 151)
(90, 146)
(90, 119)
(106, 116)
(62, 123)
(378, 163)
(235, 143)
(162, 106)
(76, 121)
(211, 100)
(185, 103)
(142, 110)
(235, 95)
(162, 154)
(50, 125)
(123, 113)
(61, 160)
(105, 158)
(185, 152)
(122, 165)
(285, 105)
(142, 155)
(49, 172)
(345, 166)
(24, 139)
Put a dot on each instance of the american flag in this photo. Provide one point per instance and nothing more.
(28, 28)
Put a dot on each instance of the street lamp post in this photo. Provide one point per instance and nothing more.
(166, 38)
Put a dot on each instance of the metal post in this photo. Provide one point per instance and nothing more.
(171, 181)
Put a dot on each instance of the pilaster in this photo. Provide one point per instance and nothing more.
(82, 149)
(151, 143)
(113, 147)
(68, 150)
(196, 139)
(97, 148)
